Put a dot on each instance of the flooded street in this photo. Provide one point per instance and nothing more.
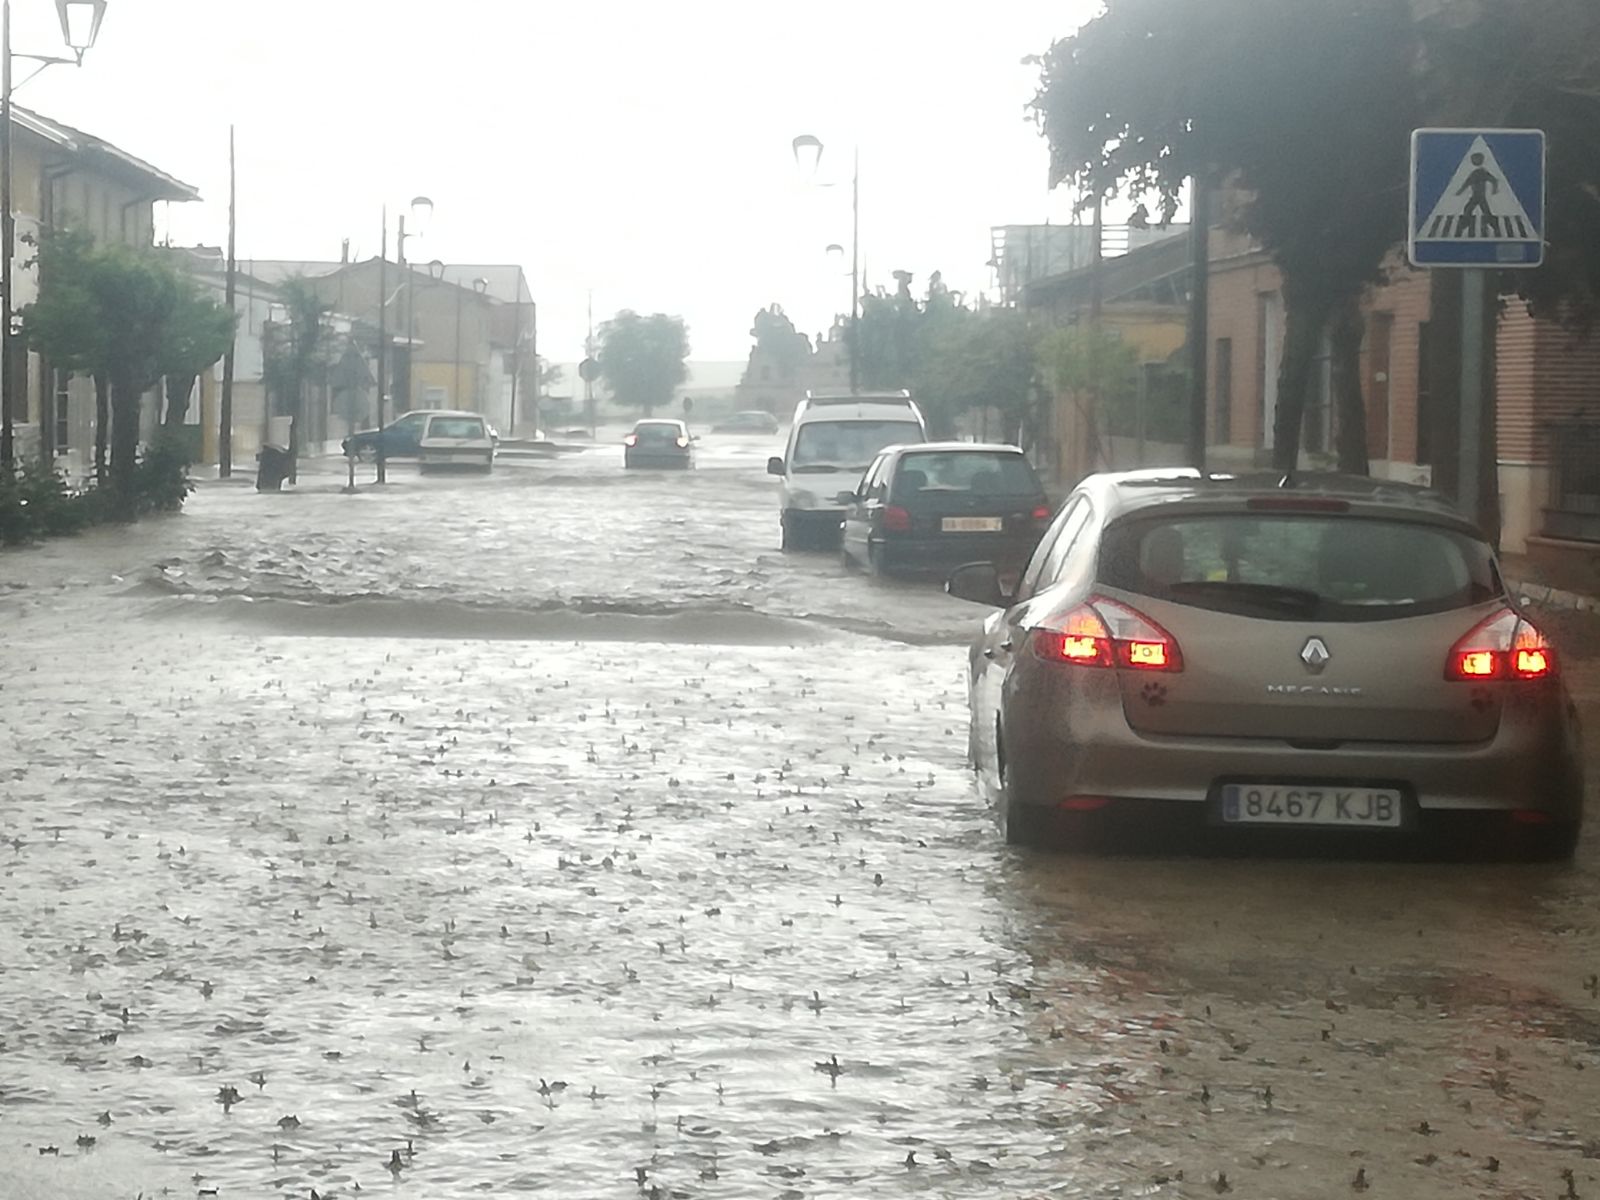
(554, 833)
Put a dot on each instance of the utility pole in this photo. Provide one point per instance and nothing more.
(1199, 282)
(383, 339)
(7, 241)
(516, 362)
(855, 267)
(588, 351)
(225, 429)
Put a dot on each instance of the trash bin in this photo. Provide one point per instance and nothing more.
(272, 468)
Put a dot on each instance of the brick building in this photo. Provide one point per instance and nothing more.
(1546, 393)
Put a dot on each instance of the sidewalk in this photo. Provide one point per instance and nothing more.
(1524, 577)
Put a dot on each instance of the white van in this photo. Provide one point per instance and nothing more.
(833, 436)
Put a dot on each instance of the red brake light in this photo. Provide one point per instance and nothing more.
(1104, 633)
(631, 440)
(1042, 513)
(1504, 645)
(896, 519)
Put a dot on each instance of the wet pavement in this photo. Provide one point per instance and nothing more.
(554, 833)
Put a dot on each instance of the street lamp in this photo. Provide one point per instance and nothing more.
(807, 150)
(80, 25)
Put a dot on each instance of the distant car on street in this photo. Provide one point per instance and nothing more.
(402, 437)
(937, 505)
(753, 420)
(1330, 656)
(457, 439)
(658, 443)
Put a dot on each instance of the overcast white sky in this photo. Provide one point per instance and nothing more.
(638, 149)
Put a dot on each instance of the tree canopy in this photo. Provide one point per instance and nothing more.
(126, 315)
(642, 358)
(953, 358)
(1304, 108)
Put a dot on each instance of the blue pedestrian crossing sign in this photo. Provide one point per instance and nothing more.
(1477, 198)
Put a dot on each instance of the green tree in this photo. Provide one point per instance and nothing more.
(201, 332)
(297, 354)
(125, 315)
(953, 358)
(1257, 94)
(642, 358)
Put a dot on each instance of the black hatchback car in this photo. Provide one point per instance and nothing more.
(939, 504)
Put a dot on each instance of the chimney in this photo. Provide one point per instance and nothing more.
(344, 252)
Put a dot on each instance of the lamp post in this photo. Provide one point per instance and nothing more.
(80, 26)
(421, 210)
(807, 150)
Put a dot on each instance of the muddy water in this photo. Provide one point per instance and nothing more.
(662, 857)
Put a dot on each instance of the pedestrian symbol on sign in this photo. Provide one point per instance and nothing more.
(1477, 197)
(1491, 211)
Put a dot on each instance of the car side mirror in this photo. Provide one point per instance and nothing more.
(845, 498)
(978, 582)
(774, 465)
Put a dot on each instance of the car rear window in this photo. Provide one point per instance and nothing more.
(658, 431)
(969, 472)
(1298, 567)
(849, 444)
(456, 427)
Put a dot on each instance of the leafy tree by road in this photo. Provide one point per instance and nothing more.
(642, 358)
(1305, 108)
(126, 316)
(954, 358)
(298, 353)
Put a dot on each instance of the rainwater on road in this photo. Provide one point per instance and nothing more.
(553, 833)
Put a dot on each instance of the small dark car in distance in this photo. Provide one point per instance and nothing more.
(662, 443)
(753, 420)
(935, 505)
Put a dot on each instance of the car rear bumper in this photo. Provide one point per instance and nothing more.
(944, 552)
(655, 458)
(1078, 743)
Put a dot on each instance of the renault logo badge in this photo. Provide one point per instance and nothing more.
(1315, 655)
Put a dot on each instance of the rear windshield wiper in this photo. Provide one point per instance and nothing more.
(1267, 594)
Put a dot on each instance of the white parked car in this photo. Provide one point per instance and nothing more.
(833, 437)
(457, 439)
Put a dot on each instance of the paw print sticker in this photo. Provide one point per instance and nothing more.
(1154, 694)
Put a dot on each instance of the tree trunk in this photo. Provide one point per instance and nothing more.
(125, 398)
(102, 425)
(1305, 316)
(1348, 329)
(179, 388)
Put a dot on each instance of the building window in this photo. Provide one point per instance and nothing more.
(435, 396)
(63, 425)
(1224, 391)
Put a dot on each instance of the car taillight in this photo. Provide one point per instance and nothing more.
(631, 440)
(1042, 513)
(896, 519)
(683, 443)
(1105, 633)
(1504, 645)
